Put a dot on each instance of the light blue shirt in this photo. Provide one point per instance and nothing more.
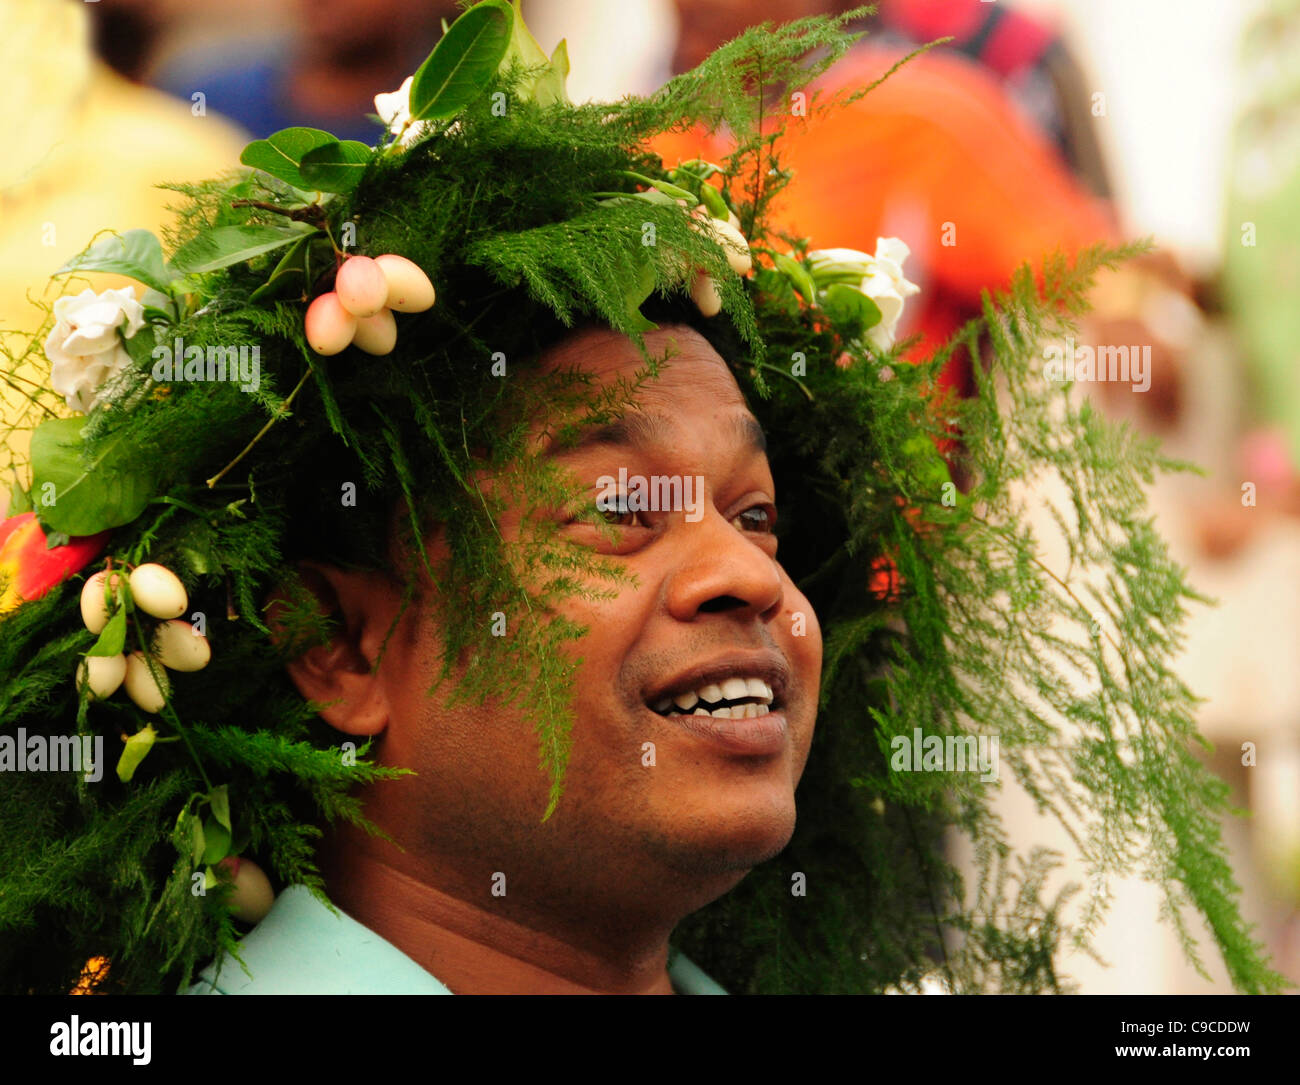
(302, 948)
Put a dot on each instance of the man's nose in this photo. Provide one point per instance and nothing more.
(720, 569)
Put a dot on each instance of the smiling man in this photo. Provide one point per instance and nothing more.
(694, 712)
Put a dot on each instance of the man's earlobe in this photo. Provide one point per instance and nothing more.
(338, 671)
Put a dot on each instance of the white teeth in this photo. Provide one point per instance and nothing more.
(724, 713)
(732, 689)
(735, 688)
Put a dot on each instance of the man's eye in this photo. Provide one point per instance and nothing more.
(760, 518)
(614, 511)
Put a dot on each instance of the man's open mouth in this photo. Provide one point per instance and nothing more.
(733, 698)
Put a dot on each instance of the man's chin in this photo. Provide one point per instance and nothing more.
(729, 849)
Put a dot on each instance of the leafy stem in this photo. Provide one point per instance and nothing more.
(262, 432)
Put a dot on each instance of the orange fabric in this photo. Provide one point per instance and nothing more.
(937, 143)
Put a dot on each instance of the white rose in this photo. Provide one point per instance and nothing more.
(879, 277)
(85, 349)
(394, 110)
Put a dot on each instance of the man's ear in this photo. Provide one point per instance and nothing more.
(341, 671)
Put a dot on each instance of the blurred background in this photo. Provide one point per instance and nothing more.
(1044, 124)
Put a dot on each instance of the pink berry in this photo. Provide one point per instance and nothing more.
(329, 326)
(361, 286)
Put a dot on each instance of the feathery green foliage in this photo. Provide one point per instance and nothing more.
(532, 221)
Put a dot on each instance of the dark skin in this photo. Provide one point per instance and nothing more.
(593, 894)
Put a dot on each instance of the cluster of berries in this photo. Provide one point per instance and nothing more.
(154, 590)
(359, 310)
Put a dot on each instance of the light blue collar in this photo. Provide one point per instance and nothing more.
(303, 948)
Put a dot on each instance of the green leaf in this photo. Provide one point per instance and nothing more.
(219, 798)
(336, 167)
(463, 63)
(546, 85)
(636, 293)
(281, 152)
(551, 86)
(216, 841)
(112, 639)
(136, 254)
(228, 245)
(714, 202)
(290, 273)
(198, 843)
(666, 187)
(798, 276)
(137, 746)
(850, 309)
(140, 347)
(87, 499)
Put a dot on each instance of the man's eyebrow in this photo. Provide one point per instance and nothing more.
(640, 430)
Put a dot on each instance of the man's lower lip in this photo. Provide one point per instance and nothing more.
(755, 736)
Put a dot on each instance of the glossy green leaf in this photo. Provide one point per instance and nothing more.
(228, 245)
(281, 152)
(88, 498)
(136, 254)
(336, 167)
(463, 63)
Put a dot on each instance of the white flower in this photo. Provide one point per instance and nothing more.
(394, 110)
(879, 277)
(84, 347)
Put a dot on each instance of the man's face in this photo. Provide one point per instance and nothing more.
(658, 800)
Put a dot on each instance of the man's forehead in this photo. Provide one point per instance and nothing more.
(602, 351)
(647, 429)
(693, 378)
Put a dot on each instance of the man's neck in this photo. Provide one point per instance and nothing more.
(475, 951)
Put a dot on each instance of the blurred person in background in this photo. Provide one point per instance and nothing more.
(83, 149)
(321, 69)
(937, 155)
(1026, 54)
(942, 155)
